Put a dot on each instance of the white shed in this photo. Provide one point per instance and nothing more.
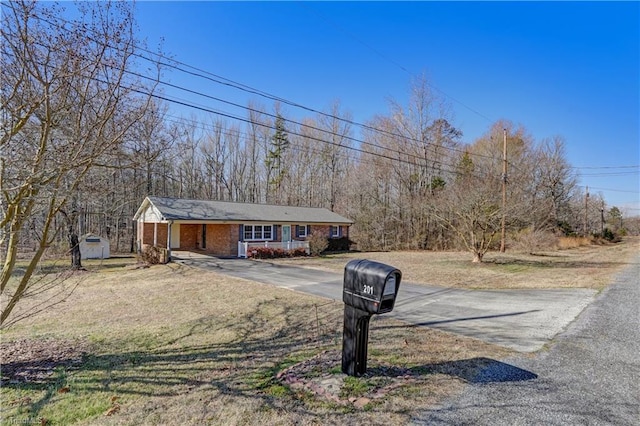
(94, 247)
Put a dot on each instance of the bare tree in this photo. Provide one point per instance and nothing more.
(470, 207)
(189, 160)
(256, 150)
(67, 103)
(373, 204)
(306, 183)
(148, 139)
(556, 181)
(215, 152)
(338, 130)
(236, 165)
(416, 141)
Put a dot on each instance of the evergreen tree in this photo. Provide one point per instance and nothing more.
(278, 146)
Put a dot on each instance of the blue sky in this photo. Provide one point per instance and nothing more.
(569, 69)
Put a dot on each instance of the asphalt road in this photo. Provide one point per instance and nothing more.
(589, 376)
(524, 320)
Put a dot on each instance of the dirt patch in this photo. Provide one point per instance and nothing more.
(35, 361)
(319, 376)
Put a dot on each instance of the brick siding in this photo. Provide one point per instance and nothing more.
(222, 240)
(147, 234)
(189, 237)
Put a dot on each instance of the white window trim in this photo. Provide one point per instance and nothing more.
(337, 234)
(253, 232)
(302, 231)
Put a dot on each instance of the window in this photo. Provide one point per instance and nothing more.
(258, 232)
(267, 232)
(302, 231)
(335, 231)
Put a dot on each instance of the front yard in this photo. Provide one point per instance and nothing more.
(171, 345)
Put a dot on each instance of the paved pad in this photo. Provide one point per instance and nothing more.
(524, 320)
(589, 376)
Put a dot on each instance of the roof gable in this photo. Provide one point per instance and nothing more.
(225, 211)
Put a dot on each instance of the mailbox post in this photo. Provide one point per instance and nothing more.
(369, 288)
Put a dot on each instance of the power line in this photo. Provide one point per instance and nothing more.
(291, 132)
(612, 174)
(230, 83)
(275, 116)
(606, 167)
(190, 104)
(223, 80)
(248, 89)
(246, 137)
(610, 189)
(208, 109)
(395, 63)
(271, 127)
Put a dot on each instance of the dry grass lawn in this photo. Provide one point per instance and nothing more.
(172, 345)
(582, 267)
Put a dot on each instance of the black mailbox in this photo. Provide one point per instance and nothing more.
(369, 288)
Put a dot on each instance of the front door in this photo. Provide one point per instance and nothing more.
(286, 233)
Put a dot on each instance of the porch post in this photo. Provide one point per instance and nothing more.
(243, 249)
(169, 223)
(155, 234)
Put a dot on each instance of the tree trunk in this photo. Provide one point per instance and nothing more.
(75, 251)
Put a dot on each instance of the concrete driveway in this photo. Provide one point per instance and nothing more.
(591, 375)
(524, 320)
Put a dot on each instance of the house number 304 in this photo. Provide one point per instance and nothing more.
(368, 289)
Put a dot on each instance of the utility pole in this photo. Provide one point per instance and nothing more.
(504, 191)
(586, 209)
(602, 219)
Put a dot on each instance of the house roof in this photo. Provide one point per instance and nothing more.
(225, 211)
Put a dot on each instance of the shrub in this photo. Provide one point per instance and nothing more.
(299, 252)
(153, 255)
(610, 236)
(573, 242)
(566, 229)
(318, 242)
(528, 240)
(339, 244)
(275, 253)
(262, 253)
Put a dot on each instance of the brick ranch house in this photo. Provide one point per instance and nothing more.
(224, 228)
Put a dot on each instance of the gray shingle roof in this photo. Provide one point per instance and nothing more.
(205, 210)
